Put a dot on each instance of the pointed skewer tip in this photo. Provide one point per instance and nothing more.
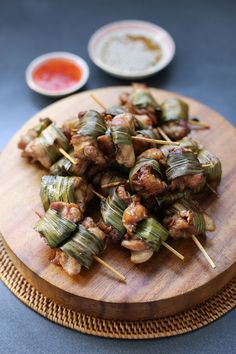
(67, 156)
(171, 249)
(105, 264)
(204, 252)
(98, 101)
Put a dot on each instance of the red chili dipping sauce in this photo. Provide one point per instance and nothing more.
(56, 74)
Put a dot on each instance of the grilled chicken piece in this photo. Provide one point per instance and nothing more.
(139, 257)
(67, 262)
(140, 251)
(140, 146)
(124, 194)
(176, 130)
(125, 152)
(106, 145)
(33, 133)
(134, 244)
(86, 148)
(26, 139)
(70, 127)
(92, 227)
(80, 168)
(146, 183)
(188, 181)
(180, 225)
(133, 214)
(155, 154)
(83, 192)
(108, 230)
(37, 152)
(152, 110)
(70, 211)
(144, 121)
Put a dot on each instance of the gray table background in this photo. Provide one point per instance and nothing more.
(204, 68)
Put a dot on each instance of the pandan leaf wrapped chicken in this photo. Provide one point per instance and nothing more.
(58, 223)
(142, 98)
(64, 167)
(184, 218)
(174, 119)
(112, 209)
(91, 124)
(213, 171)
(122, 127)
(33, 133)
(174, 109)
(187, 144)
(45, 148)
(85, 141)
(184, 171)
(85, 123)
(65, 189)
(148, 239)
(146, 177)
(144, 233)
(141, 102)
(87, 241)
(151, 232)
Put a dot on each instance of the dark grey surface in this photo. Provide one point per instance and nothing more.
(204, 68)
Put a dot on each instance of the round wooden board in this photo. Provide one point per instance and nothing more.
(164, 285)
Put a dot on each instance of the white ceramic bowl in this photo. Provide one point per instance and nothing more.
(158, 35)
(75, 59)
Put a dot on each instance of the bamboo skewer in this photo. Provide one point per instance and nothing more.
(198, 124)
(179, 255)
(206, 165)
(212, 189)
(100, 196)
(155, 141)
(38, 214)
(114, 184)
(99, 260)
(204, 252)
(163, 134)
(64, 153)
(171, 249)
(98, 101)
(201, 248)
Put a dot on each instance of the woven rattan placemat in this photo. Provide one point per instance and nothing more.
(195, 318)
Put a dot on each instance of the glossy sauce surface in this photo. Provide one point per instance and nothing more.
(57, 74)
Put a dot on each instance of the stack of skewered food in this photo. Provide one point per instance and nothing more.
(147, 185)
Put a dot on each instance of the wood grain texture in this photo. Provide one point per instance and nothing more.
(162, 286)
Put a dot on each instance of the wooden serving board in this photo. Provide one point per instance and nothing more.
(164, 285)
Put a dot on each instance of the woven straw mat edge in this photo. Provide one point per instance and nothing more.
(195, 318)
